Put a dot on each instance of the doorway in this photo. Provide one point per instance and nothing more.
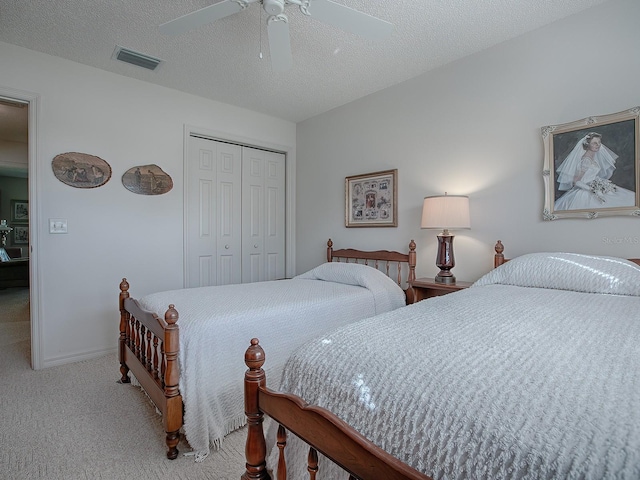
(18, 113)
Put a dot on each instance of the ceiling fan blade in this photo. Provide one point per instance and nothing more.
(350, 20)
(279, 45)
(201, 17)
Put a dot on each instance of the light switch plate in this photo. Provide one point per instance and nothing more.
(57, 225)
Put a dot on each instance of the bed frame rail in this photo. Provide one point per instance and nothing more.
(321, 429)
(148, 348)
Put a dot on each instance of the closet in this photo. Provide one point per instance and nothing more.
(235, 213)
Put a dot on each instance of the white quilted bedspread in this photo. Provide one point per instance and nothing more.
(217, 324)
(458, 387)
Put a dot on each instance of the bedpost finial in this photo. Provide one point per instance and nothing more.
(330, 250)
(254, 356)
(412, 245)
(499, 248)
(171, 315)
(124, 285)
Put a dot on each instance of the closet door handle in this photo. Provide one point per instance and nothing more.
(226, 247)
(255, 246)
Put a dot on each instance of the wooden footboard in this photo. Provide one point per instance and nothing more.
(321, 429)
(148, 348)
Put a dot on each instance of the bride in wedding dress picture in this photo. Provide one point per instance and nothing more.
(584, 177)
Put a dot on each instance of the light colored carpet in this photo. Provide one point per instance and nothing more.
(15, 304)
(76, 422)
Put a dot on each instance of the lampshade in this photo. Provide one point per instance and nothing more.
(446, 211)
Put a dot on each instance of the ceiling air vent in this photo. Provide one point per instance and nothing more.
(136, 58)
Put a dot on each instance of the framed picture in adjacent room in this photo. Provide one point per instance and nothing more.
(19, 211)
(592, 167)
(372, 199)
(20, 234)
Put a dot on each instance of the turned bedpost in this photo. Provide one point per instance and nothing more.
(172, 417)
(256, 448)
(411, 275)
(171, 347)
(498, 258)
(412, 261)
(124, 323)
(329, 250)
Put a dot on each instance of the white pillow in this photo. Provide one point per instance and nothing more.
(386, 293)
(568, 271)
(348, 273)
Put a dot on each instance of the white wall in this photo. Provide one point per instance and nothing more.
(113, 233)
(473, 127)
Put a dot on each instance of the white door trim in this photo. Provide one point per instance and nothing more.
(290, 187)
(34, 214)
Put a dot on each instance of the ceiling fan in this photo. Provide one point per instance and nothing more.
(326, 11)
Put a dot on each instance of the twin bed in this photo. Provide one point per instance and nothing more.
(188, 368)
(532, 373)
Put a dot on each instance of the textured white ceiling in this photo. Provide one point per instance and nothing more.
(221, 60)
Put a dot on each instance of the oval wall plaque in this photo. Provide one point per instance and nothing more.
(147, 180)
(81, 170)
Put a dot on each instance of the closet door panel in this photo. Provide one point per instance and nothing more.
(213, 249)
(253, 267)
(274, 239)
(205, 270)
(229, 226)
(252, 234)
(200, 221)
(229, 258)
(227, 270)
(252, 215)
(274, 268)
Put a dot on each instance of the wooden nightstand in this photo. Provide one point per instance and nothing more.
(428, 287)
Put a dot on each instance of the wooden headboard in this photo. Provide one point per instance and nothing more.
(379, 258)
(498, 258)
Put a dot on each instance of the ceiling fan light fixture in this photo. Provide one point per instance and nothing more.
(325, 11)
(273, 7)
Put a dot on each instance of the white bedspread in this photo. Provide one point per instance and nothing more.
(458, 387)
(217, 324)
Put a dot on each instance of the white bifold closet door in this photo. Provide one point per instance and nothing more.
(263, 214)
(234, 214)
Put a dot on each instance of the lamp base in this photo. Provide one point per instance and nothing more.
(445, 260)
(445, 277)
